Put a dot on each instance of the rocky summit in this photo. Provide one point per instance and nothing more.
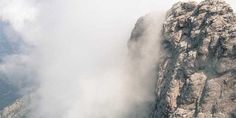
(195, 65)
(196, 75)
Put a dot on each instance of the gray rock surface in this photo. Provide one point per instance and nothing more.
(196, 70)
(197, 65)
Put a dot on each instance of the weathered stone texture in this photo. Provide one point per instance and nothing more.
(197, 67)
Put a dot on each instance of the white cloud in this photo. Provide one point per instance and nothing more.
(17, 12)
(81, 54)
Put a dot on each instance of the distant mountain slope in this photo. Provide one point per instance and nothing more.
(196, 70)
(8, 92)
(14, 75)
(10, 41)
(17, 109)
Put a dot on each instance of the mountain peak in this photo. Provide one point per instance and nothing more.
(196, 75)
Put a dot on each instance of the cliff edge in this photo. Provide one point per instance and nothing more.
(196, 75)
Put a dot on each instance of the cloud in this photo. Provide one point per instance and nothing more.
(17, 12)
(79, 49)
(17, 68)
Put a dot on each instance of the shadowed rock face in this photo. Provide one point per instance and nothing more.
(196, 74)
(197, 64)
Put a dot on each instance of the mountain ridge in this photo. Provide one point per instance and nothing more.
(196, 67)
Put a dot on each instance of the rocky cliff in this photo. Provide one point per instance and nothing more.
(196, 75)
(195, 66)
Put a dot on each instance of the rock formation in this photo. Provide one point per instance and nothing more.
(196, 75)
(196, 63)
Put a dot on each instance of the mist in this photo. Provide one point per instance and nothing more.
(87, 72)
(79, 50)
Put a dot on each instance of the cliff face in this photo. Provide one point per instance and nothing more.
(197, 61)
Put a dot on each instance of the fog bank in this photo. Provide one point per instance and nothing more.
(85, 70)
(79, 48)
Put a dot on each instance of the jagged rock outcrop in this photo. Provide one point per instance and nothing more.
(197, 64)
